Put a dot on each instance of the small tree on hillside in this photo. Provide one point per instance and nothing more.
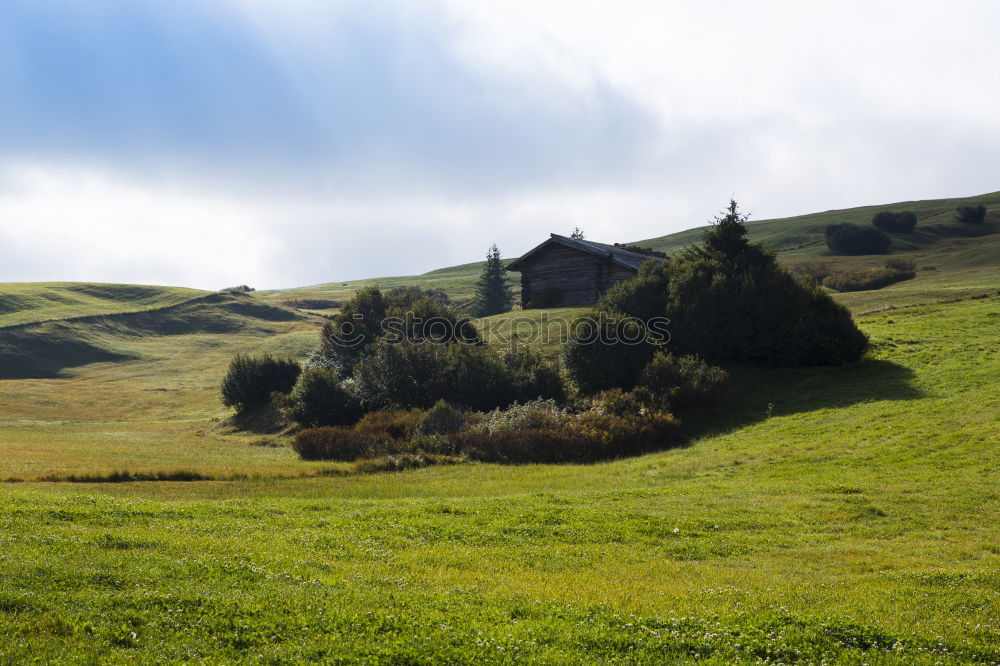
(493, 296)
(971, 214)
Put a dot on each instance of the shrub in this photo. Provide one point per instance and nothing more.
(630, 434)
(535, 414)
(971, 214)
(644, 296)
(683, 381)
(621, 403)
(875, 278)
(441, 419)
(335, 443)
(391, 424)
(606, 350)
(472, 376)
(900, 264)
(533, 445)
(852, 239)
(319, 399)
(392, 376)
(814, 271)
(433, 444)
(725, 300)
(889, 221)
(748, 309)
(532, 376)
(592, 436)
(402, 462)
(416, 316)
(251, 380)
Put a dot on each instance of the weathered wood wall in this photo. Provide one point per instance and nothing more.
(562, 277)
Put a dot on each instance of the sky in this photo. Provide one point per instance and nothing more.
(280, 144)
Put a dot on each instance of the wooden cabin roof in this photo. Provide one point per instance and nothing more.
(623, 255)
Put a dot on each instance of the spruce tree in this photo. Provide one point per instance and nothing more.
(493, 296)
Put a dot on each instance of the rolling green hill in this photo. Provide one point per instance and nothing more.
(938, 241)
(802, 235)
(27, 302)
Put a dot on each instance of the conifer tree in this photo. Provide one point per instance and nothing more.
(493, 296)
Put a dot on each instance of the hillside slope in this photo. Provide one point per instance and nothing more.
(938, 241)
(45, 348)
(26, 302)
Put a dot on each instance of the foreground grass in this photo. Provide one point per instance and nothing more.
(838, 514)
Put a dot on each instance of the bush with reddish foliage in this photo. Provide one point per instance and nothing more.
(336, 443)
(875, 278)
(591, 436)
(391, 424)
(683, 381)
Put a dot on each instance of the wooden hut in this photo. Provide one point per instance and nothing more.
(565, 272)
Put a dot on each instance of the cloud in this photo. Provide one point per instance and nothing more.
(307, 141)
(376, 99)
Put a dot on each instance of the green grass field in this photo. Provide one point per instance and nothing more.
(841, 514)
(837, 515)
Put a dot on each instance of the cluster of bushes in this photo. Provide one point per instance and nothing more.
(892, 222)
(874, 278)
(368, 362)
(853, 239)
(813, 271)
(612, 424)
(895, 270)
(394, 375)
(386, 385)
(900, 264)
(535, 432)
(728, 300)
(971, 214)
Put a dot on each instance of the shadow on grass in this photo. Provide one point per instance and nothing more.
(758, 392)
(37, 356)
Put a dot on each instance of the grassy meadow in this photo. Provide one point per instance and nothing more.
(828, 515)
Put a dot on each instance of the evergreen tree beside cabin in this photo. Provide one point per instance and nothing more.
(565, 271)
(493, 296)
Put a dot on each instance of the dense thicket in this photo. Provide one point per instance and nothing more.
(319, 399)
(852, 239)
(971, 214)
(407, 314)
(726, 300)
(606, 350)
(476, 377)
(251, 380)
(874, 278)
(893, 222)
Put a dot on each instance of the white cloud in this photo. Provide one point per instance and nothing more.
(318, 141)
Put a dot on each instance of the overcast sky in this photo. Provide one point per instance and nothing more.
(290, 143)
